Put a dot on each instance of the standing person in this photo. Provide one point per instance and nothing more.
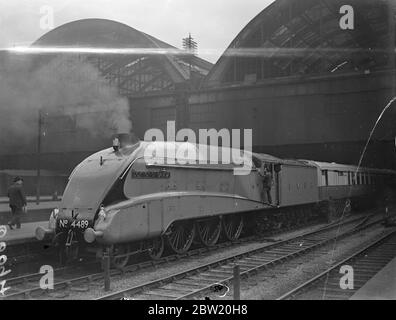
(267, 184)
(17, 202)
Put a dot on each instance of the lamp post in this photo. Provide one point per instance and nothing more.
(391, 45)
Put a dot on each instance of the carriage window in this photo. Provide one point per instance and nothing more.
(358, 179)
(349, 178)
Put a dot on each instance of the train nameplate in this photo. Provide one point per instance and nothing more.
(150, 174)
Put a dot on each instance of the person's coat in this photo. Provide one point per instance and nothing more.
(17, 196)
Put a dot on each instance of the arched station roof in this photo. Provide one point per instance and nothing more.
(135, 73)
(304, 37)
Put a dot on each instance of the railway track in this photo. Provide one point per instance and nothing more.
(366, 262)
(195, 282)
(27, 255)
(89, 274)
(18, 253)
(25, 286)
(85, 276)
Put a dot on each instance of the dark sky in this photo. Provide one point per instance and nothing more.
(213, 23)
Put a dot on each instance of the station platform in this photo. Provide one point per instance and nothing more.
(23, 235)
(381, 287)
(35, 212)
(32, 199)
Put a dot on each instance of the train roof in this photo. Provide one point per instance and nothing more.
(343, 167)
(195, 152)
(246, 156)
(271, 159)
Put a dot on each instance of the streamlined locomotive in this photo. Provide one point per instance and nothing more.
(130, 198)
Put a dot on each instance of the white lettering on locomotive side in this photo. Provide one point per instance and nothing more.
(150, 174)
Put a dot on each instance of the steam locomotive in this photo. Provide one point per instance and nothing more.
(137, 197)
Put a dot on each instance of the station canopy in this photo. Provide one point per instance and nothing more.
(305, 37)
(145, 64)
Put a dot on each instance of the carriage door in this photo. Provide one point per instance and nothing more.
(276, 170)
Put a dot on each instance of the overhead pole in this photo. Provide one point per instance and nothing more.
(390, 6)
(391, 44)
(40, 123)
(190, 45)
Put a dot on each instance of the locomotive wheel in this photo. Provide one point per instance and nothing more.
(209, 231)
(120, 262)
(157, 248)
(232, 226)
(180, 236)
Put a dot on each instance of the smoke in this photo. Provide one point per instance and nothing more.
(65, 86)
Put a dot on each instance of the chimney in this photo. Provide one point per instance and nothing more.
(125, 140)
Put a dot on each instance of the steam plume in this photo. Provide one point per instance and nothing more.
(64, 86)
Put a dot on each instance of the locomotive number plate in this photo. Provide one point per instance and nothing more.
(75, 224)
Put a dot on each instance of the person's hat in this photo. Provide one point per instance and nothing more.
(16, 179)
